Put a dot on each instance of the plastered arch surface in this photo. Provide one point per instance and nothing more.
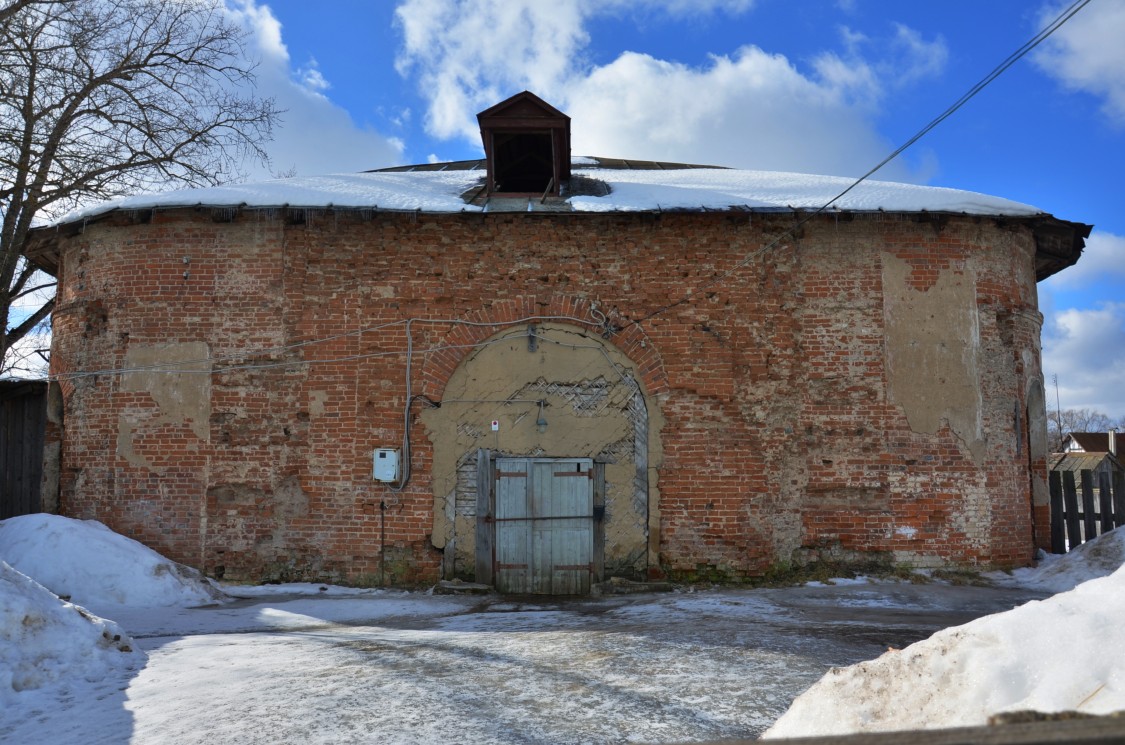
(558, 390)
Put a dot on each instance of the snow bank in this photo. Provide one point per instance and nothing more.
(1061, 572)
(44, 640)
(630, 191)
(87, 563)
(1060, 654)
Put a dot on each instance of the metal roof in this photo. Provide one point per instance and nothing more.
(584, 162)
(1082, 461)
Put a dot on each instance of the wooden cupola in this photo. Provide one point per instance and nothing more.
(526, 146)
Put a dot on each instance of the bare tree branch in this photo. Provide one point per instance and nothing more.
(100, 98)
(22, 330)
(1062, 423)
(10, 9)
(32, 290)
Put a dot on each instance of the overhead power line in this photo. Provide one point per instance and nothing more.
(1008, 61)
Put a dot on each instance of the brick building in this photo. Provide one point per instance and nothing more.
(607, 369)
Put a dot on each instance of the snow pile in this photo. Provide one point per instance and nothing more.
(1059, 573)
(87, 563)
(1060, 654)
(44, 640)
(630, 191)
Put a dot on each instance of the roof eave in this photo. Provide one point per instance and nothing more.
(1058, 244)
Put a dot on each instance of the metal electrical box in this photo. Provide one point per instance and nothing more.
(385, 464)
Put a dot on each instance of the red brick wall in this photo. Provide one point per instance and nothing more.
(780, 442)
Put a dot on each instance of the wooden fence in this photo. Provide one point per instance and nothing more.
(1083, 511)
(23, 420)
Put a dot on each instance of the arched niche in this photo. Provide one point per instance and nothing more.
(553, 391)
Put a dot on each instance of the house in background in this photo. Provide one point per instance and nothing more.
(539, 371)
(1089, 451)
(1087, 481)
(1091, 442)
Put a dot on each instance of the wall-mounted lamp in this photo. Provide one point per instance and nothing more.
(541, 423)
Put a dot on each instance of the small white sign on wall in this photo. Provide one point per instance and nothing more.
(495, 425)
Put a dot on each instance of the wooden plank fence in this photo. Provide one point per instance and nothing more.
(1084, 510)
(23, 419)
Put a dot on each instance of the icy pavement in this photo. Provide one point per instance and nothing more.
(410, 667)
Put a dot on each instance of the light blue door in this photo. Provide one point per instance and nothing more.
(544, 525)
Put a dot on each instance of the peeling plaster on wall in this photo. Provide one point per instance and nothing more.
(592, 404)
(125, 430)
(1037, 425)
(279, 507)
(317, 399)
(925, 374)
(180, 397)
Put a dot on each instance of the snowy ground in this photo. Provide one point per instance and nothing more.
(297, 664)
(1064, 653)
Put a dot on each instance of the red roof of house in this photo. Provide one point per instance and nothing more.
(1093, 442)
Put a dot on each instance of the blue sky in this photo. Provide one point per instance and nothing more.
(820, 86)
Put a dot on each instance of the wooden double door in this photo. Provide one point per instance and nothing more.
(545, 522)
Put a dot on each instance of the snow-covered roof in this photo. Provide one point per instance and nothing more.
(629, 190)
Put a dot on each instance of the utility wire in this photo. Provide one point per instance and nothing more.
(1008, 61)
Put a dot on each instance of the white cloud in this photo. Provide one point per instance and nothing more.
(871, 64)
(1086, 347)
(1087, 53)
(308, 113)
(916, 57)
(752, 110)
(311, 77)
(265, 29)
(1086, 350)
(1102, 259)
(749, 108)
(694, 7)
(470, 57)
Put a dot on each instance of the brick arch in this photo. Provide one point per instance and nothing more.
(628, 444)
(459, 341)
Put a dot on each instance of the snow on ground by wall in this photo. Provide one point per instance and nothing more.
(87, 563)
(45, 641)
(630, 191)
(1060, 654)
(1062, 572)
(1065, 652)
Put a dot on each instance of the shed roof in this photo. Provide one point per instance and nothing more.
(622, 186)
(1083, 462)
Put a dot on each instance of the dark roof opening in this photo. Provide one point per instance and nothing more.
(524, 162)
(526, 146)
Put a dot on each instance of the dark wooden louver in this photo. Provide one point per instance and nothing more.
(526, 146)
